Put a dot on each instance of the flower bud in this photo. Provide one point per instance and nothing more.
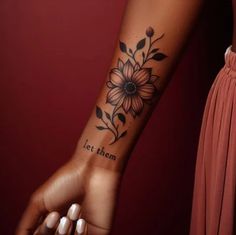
(149, 32)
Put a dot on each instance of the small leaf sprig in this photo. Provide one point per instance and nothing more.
(109, 123)
(151, 54)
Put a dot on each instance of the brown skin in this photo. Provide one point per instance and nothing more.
(93, 181)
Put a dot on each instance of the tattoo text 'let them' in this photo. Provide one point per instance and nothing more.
(98, 150)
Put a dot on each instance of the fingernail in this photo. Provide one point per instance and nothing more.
(52, 219)
(73, 212)
(63, 225)
(80, 227)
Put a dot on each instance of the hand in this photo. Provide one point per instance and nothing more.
(94, 188)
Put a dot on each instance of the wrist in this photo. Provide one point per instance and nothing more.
(94, 170)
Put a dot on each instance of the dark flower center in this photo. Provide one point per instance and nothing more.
(130, 88)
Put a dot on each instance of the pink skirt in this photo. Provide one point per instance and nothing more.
(214, 197)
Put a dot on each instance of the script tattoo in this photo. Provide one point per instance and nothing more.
(131, 85)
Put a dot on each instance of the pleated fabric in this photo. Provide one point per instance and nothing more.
(214, 195)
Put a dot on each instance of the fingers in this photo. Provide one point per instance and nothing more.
(64, 227)
(73, 214)
(71, 224)
(77, 225)
(49, 225)
(81, 227)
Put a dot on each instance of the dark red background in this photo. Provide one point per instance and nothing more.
(54, 56)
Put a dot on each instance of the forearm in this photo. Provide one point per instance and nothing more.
(152, 36)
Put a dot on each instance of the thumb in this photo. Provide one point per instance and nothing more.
(32, 215)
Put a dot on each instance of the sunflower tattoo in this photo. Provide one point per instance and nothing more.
(131, 85)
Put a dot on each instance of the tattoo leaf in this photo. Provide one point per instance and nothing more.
(123, 134)
(98, 112)
(159, 56)
(121, 116)
(108, 115)
(130, 51)
(155, 50)
(136, 67)
(141, 44)
(143, 54)
(101, 128)
(123, 47)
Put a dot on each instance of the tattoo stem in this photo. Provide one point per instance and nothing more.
(149, 48)
(132, 56)
(108, 128)
(112, 119)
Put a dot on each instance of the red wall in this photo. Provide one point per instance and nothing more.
(51, 55)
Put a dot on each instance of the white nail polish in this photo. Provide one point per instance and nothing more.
(80, 227)
(51, 219)
(73, 212)
(63, 225)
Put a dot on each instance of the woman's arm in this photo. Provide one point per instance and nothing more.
(152, 36)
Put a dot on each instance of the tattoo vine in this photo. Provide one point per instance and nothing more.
(131, 85)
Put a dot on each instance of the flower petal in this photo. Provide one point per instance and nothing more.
(142, 76)
(128, 70)
(146, 91)
(153, 78)
(114, 95)
(110, 84)
(137, 104)
(120, 64)
(116, 77)
(127, 103)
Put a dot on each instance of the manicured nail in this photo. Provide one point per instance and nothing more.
(64, 225)
(52, 219)
(80, 227)
(73, 212)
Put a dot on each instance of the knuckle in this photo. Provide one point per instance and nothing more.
(37, 201)
(34, 199)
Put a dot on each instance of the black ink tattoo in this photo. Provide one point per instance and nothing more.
(100, 151)
(131, 85)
